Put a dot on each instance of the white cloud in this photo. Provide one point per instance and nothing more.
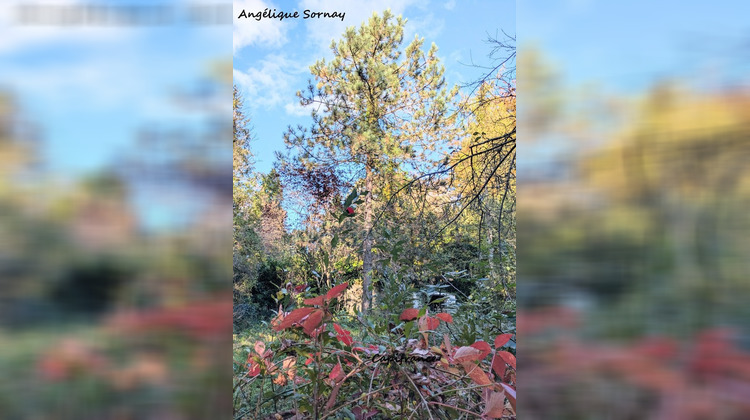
(17, 36)
(322, 31)
(267, 32)
(450, 5)
(271, 82)
(296, 110)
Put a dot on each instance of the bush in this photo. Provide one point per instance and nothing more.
(317, 368)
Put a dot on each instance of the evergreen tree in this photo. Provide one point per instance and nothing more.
(376, 110)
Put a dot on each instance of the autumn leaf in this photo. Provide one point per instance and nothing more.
(336, 291)
(337, 373)
(476, 374)
(502, 339)
(253, 368)
(288, 367)
(260, 348)
(495, 405)
(280, 380)
(445, 317)
(343, 335)
(466, 354)
(508, 358)
(428, 323)
(510, 393)
(318, 300)
(498, 365)
(295, 316)
(483, 347)
(409, 314)
(313, 321)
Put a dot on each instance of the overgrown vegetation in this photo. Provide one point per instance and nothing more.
(390, 293)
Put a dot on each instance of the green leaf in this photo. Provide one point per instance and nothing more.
(350, 198)
(334, 241)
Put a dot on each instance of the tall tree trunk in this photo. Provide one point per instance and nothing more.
(367, 245)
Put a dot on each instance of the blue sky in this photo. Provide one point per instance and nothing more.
(272, 57)
(627, 46)
(622, 49)
(91, 89)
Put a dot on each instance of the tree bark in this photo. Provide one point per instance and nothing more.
(367, 245)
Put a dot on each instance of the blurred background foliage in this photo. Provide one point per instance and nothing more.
(632, 287)
(109, 308)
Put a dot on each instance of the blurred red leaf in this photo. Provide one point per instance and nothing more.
(318, 300)
(483, 347)
(494, 405)
(409, 314)
(336, 291)
(428, 323)
(510, 393)
(337, 373)
(260, 348)
(502, 339)
(467, 354)
(253, 368)
(661, 348)
(508, 358)
(343, 335)
(445, 317)
(476, 373)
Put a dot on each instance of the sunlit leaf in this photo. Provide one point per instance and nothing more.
(313, 321)
(336, 291)
(294, 317)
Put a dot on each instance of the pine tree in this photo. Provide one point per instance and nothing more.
(377, 110)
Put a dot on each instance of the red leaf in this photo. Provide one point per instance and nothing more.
(501, 339)
(428, 323)
(467, 354)
(445, 317)
(508, 358)
(511, 394)
(337, 373)
(498, 365)
(336, 291)
(260, 348)
(313, 321)
(253, 368)
(294, 317)
(315, 301)
(483, 347)
(495, 405)
(409, 314)
(432, 323)
(350, 210)
(343, 335)
(476, 373)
